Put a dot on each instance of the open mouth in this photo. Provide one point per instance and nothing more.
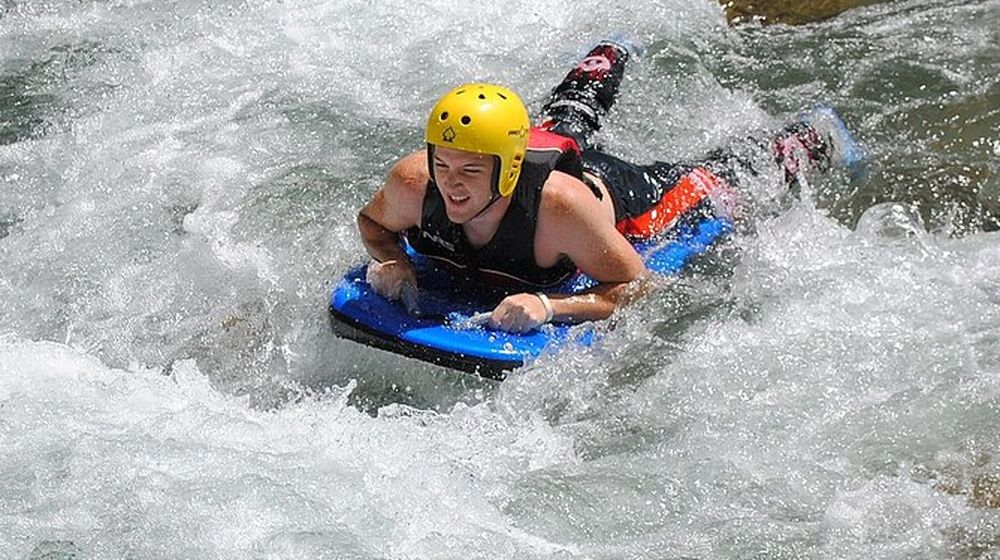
(455, 199)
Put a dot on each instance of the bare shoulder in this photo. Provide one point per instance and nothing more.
(573, 222)
(397, 204)
(568, 213)
(565, 199)
(410, 173)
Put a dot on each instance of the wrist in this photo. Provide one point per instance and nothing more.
(547, 303)
(393, 262)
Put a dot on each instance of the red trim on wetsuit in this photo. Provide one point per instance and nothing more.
(543, 139)
(690, 191)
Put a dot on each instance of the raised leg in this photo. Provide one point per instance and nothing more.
(588, 91)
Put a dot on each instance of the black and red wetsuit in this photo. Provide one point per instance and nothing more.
(648, 199)
(509, 257)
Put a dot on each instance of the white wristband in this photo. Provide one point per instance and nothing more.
(549, 312)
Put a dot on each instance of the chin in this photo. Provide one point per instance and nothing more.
(459, 218)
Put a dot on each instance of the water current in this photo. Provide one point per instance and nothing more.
(178, 186)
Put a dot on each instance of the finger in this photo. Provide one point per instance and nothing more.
(525, 323)
(519, 321)
(385, 287)
(517, 327)
(501, 319)
(371, 274)
(494, 321)
(516, 321)
(410, 297)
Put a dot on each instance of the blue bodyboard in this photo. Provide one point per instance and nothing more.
(442, 332)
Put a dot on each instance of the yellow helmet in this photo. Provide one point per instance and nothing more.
(485, 119)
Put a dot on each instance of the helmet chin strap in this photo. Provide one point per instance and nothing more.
(494, 188)
(492, 201)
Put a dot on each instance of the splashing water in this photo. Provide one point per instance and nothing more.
(178, 186)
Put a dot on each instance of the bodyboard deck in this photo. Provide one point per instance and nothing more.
(443, 333)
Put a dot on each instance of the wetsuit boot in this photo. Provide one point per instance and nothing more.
(588, 92)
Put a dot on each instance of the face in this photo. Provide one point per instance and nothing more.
(464, 180)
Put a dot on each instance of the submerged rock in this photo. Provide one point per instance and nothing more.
(792, 12)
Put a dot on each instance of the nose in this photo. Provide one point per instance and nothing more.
(449, 180)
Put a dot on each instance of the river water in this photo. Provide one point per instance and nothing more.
(178, 186)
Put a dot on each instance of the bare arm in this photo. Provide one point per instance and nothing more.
(572, 223)
(395, 207)
(582, 233)
(598, 302)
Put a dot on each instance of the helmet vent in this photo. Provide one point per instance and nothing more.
(482, 96)
(444, 116)
(501, 96)
(466, 119)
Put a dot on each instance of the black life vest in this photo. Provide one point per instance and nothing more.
(508, 259)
